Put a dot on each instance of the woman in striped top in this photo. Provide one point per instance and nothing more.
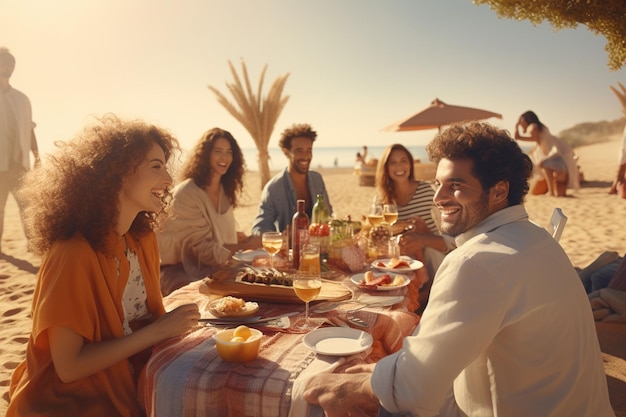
(396, 184)
(420, 238)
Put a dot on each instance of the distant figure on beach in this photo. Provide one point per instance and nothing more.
(97, 308)
(201, 235)
(296, 182)
(553, 158)
(17, 137)
(361, 157)
(620, 179)
(396, 184)
(508, 330)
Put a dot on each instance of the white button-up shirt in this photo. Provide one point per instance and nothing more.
(508, 326)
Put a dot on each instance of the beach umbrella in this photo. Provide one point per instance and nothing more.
(439, 114)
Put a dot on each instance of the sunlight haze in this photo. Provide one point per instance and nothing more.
(355, 66)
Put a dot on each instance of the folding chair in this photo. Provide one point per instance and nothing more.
(557, 224)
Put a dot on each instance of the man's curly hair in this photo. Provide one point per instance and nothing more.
(497, 156)
(296, 131)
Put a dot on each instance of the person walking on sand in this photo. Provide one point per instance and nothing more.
(17, 136)
(296, 182)
(508, 330)
(97, 307)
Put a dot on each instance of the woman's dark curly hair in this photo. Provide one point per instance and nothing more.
(384, 183)
(497, 157)
(302, 130)
(76, 190)
(198, 167)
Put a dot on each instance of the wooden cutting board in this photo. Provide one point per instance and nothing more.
(225, 284)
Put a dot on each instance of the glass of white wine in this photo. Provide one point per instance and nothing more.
(272, 243)
(375, 215)
(390, 214)
(307, 282)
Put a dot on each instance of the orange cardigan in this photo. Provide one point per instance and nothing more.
(79, 288)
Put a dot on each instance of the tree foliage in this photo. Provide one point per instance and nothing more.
(256, 113)
(606, 18)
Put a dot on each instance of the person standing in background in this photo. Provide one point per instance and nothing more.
(296, 182)
(17, 136)
(621, 170)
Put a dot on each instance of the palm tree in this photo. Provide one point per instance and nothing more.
(258, 115)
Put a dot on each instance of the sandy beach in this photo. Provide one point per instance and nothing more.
(595, 224)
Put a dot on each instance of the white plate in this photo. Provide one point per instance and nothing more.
(249, 309)
(414, 265)
(358, 278)
(250, 255)
(338, 341)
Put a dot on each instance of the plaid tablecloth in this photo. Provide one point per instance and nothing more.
(185, 376)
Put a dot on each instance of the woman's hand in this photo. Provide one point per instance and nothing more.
(178, 321)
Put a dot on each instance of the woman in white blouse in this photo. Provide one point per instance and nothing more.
(201, 234)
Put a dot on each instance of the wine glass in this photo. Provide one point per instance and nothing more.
(375, 215)
(272, 243)
(307, 282)
(390, 214)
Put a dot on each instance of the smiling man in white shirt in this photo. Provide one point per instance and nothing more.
(508, 330)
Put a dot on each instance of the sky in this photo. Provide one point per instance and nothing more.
(355, 66)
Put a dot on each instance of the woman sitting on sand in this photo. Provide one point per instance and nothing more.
(396, 184)
(552, 157)
(201, 234)
(97, 306)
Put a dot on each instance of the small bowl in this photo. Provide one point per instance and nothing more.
(237, 351)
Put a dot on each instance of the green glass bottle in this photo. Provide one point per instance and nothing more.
(320, 212)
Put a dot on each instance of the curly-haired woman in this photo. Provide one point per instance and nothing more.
(201, 234)
(97, 306)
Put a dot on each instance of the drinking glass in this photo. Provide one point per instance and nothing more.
(375, 215)
(272, 243)
(390, 214)
(307, 283)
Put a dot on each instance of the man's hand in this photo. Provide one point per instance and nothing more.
(347, 394)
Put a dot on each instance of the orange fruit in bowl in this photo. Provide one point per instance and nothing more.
(243, 332)
(233, 348)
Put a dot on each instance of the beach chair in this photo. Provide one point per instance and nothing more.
(557, 223)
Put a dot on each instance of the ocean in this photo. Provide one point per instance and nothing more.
(328, 157)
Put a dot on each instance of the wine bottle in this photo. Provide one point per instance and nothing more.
(320, 212)
(299, 232)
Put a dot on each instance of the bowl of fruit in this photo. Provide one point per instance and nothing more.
(240, 344)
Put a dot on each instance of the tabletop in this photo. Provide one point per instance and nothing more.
(186, 377)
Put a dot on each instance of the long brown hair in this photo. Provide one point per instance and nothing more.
(197, 166)
(385, 187)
